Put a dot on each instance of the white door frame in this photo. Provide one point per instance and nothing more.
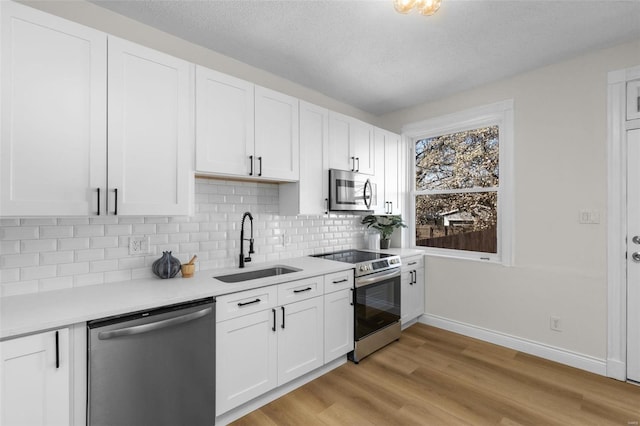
(617, 127)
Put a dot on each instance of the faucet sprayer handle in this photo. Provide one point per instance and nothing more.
(251, 246)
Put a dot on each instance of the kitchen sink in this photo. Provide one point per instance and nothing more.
(259, 273)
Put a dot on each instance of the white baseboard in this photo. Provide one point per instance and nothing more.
(562, 356)
(616, 369)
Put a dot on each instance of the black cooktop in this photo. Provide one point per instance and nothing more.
(353, 256)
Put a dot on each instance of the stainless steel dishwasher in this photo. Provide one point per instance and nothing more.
(154, 367)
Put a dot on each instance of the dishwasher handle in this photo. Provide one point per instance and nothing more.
(145, 328)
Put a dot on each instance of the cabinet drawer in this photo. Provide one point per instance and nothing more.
(300, 290)
(414, 262)
(338, 281)
(245, 302)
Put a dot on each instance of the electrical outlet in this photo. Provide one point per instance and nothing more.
(138, 245)
(555, 324)
(588, 216)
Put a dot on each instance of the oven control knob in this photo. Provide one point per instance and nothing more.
(363, 268)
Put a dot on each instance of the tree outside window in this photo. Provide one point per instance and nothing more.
(457, 177)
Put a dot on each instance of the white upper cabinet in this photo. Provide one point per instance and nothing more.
(276, 135)
(150, 136)
(224, 123)
(244, 130)
(310, 194)
(351, 144)
(633, 100)
(389, 172)
(53, 128)
(67, 113)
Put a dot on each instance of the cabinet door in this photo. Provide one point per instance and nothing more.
(35, 391)
(53, 128)
(633, 100)
(300, 339)
(412, 289)
(338, 323)
(276, 135)
(246, 363)
(381, 206)
(392, 173)
(224, 123)
(310, 194)
(150, 135)
(363, 146)
(339, 145)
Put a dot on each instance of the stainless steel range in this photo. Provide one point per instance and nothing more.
(376, 299)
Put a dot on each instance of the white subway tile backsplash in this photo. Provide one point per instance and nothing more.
(37, 246)
(18, 260)
(41, 254)
(103, 242)
(89, 230)
(73, 243)
(56, 231)
(54, 258)
(55, 283)
(19, 233)
(89, 255)
(9, 247)
(37, 272)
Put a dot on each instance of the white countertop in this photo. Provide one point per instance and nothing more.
(30, 313)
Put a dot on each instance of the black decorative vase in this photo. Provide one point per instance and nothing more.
(167, 266)
(385, 243)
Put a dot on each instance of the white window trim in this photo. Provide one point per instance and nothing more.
(501, 114)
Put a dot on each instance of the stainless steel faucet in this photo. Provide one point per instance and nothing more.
(242, 239)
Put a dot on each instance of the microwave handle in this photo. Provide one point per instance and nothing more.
(368, 199)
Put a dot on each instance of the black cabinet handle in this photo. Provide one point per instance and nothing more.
(302, 290)
(353, 164)
(98, 213)
(411, 282)
(353, 294)
(282, 307)
(251, 165)
(358, 160)
(326, 206)
(390, 207)
(274, 319)
(412, 263)
(248, 303)
(57, 350)
(341, 281)
(260, 160)
(115, 210)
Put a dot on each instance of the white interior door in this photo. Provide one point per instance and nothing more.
(633, 255)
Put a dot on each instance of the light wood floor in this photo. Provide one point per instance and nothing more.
(434, 377)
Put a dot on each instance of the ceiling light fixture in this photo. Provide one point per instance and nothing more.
(424, 7)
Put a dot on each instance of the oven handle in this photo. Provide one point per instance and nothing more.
(363, 281)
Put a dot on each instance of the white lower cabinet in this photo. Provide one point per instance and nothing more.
(35, 380)
(261, 345)
(246, 357)
(338, 323)
(412, 289)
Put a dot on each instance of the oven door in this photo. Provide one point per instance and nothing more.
(377, 302)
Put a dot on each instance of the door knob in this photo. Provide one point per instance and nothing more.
(636, 256)
(636, 239)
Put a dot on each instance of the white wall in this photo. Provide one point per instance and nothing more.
(112, 23)
(560, 167)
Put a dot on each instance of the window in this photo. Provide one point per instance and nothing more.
(461, 174)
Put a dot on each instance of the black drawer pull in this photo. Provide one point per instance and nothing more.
(302, 290)
(274, 319)
(57, 351)
(412, 263)
(248, 303)
(282, 307)
(341, 281)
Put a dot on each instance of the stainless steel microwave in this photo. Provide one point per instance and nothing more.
(350, 191)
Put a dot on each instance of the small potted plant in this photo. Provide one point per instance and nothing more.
(385, 225)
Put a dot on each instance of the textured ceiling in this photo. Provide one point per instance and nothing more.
(365, 54)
